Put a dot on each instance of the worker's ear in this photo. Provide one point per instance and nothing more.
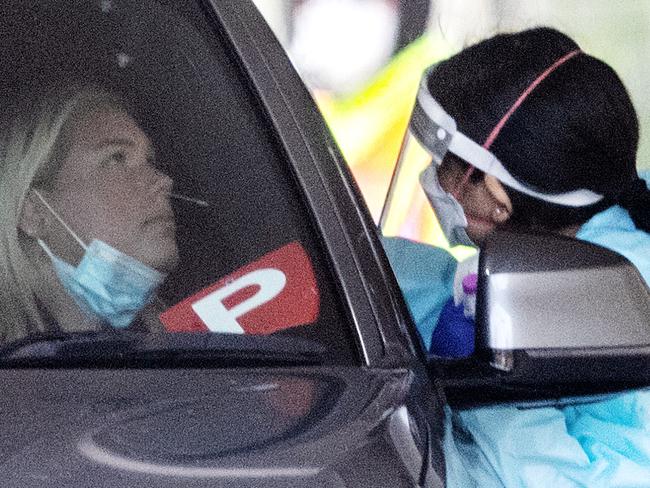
(502, 205)
(500, 214)
(32, 220)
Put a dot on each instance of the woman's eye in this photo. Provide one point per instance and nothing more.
(118, 157)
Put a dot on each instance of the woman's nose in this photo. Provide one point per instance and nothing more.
(161, 182)
(166, 182)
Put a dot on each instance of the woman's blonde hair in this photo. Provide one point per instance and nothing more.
(32, 144)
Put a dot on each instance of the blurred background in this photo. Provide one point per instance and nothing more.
(362, 60)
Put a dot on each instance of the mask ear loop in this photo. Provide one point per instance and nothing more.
(57, 217)
(456, 192)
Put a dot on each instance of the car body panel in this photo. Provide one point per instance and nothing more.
(203, 427)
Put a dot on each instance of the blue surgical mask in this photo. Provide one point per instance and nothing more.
(107, 283)
(448, 210)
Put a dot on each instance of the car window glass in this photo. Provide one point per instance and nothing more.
(150, 193)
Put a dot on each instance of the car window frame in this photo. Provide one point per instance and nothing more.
(383, 328)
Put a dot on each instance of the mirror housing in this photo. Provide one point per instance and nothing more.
(555, 317)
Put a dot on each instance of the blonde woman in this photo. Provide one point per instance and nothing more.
(88, 231)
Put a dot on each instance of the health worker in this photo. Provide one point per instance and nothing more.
(523, 131)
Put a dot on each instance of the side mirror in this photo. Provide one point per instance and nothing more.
(555, 317)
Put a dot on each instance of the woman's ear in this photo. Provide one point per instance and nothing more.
(32, 221)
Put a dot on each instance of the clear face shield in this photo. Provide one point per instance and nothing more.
(417, 207)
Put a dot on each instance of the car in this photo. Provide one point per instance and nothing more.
(288, 357)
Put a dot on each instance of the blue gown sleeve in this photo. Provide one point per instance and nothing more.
(615, 230)
(425, 275)
(601, 444)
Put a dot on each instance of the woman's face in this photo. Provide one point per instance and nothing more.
(108, 188)
(482, 197)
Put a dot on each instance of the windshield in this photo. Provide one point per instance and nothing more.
(145, 194)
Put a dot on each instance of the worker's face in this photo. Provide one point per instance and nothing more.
(108, 189)
(484, 201)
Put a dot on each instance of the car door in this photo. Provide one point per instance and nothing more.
(274, 244)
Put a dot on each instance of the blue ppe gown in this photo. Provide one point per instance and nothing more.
(425, 275)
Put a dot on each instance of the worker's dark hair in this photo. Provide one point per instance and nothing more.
(576, 129)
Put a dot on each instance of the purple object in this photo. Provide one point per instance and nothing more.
(470, 284)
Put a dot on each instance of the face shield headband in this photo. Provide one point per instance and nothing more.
(437, 132)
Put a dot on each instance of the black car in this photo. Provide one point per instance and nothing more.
(288, 356)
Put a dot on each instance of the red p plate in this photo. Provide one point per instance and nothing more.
(276, 292)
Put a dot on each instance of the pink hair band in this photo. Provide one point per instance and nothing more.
(497, 128)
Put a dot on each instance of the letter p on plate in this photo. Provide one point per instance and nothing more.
(218, 318)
